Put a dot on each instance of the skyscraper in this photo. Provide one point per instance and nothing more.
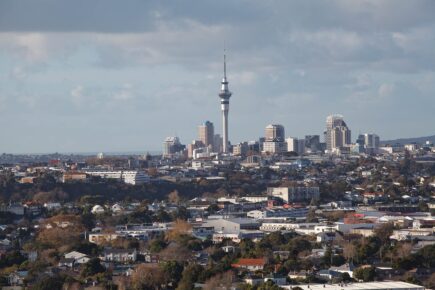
(292, 144)
(206, 133)
(274, 132)
(217, 143)
(171, 146)
(340, 137)
(312, 143)
(371, 141)
(225, 95)
(337, 133)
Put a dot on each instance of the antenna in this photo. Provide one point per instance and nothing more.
(225, 61)
(225, 66)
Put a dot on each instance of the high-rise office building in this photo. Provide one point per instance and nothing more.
(241, 148)
(274, 147)
(371, 141)
(292, 144)
(274, 132)
(312, 143)
(295, 145)
(301, 146)
(337, 133)
(274, 139)
(341, 137)
(206, 133)
(217, 143)
(191, 147)
(172, 146)
(360, 140)
(225, 96)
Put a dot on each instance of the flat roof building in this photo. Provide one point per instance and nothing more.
(390, 285)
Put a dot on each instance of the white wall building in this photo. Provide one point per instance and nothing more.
(274, 147)
(297, 193)
(130, 176)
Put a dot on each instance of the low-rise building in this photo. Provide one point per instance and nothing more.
(74, 176)
(390, 285)
(232, 225)
(293, 194)
(101, 238)
(119, 255)
(278, 213)
(250, 264)
(129, 176)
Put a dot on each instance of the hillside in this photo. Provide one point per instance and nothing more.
(418, 140)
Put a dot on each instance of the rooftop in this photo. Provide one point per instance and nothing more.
(391, 285)
(250, 262)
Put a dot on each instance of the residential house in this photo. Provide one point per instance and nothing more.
(17, 278)
(119, 255)
(79, 258)
(250, 264)
(345, 268)
(101, 238)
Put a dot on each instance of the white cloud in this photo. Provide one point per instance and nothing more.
(125, 93)
(386, 90)
(29, 100)
(77, 95)
(244, 78)
(18, 73)
(34, 46)
(365, 93)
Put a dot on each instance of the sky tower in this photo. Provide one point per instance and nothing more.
(225, 95)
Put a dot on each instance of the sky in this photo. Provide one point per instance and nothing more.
(106, 75)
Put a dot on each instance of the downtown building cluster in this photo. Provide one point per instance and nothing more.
(337, 138)
(337, 141)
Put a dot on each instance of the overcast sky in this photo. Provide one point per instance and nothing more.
(86, 76)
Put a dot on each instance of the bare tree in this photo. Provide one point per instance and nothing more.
(179, 227)
(349, 251)
(174, 197)
(404, 250)
(147, 277)
(220, 281)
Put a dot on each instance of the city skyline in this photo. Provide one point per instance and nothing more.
(124, 80)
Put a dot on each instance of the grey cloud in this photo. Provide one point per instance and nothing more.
(139, 16)
(291, 62)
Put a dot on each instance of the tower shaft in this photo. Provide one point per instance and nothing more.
(225, 95)
(225, 109)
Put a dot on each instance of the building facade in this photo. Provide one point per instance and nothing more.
(274, 132)
(172, 146)
(337, 133)
(206, 133)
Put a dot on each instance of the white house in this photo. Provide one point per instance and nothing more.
(97, 209)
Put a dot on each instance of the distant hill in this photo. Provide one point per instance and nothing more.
(418, 140)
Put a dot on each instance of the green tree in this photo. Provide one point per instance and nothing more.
(345, 277)
(49, 283)
(366, 274)
(173, 272)
(92, 267)
(157, 244)
(189, 276)
(12, 258)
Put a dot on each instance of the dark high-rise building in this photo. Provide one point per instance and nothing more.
(312, 143)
